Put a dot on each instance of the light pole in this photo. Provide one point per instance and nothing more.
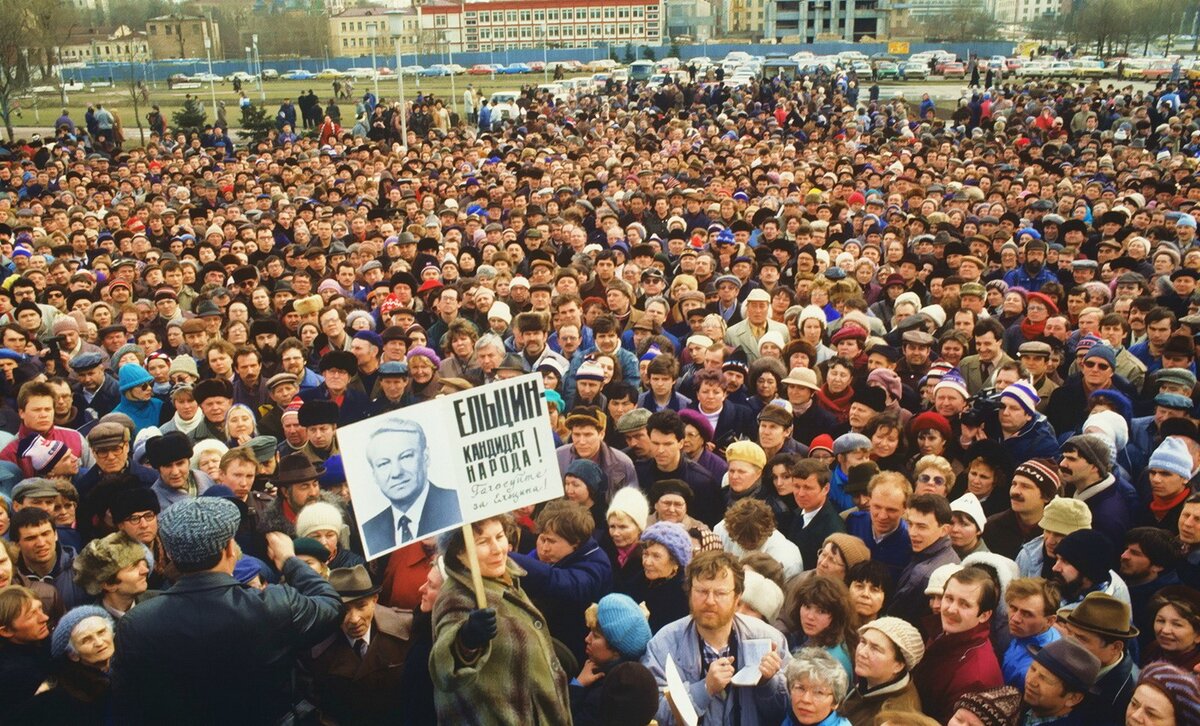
(374, 62)
(545, 54)
(262, 95)
(212, 89)
(62, 80)
(450, 62)
(403, 109)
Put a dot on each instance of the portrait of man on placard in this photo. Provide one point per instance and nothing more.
(398, 453)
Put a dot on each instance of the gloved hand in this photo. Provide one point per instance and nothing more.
(479, 629)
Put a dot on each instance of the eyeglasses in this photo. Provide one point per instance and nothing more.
(142, 517)
(817, 694)
(1097, 364)
(926, 479)
(705, 594)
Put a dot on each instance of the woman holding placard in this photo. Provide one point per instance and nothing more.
(494, 664)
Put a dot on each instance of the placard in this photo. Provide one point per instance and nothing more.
(421, 470)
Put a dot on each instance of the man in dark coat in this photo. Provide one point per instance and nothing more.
(665, 430)
(209, 650)
(338, 367)
(816, 518)
(357, 671)
(24, 646)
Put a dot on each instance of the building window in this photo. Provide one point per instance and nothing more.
(623, 29)
(526, 31)
(511, 16)
(485, 33)
(539, 16)
(637, 29)
(639, 12)
(552, 31)
(594, 13)
(512, 32)
(153, 30)
(568, 31)
(440, 21)
(552, 14)
(610, 13)
(525, 15)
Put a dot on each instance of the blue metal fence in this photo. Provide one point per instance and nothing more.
(158, 71)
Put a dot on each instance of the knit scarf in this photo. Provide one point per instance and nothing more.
(838, 405)
(186, 426)
(1160, 507)
(1031, 330)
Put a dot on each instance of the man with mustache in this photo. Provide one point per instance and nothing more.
(960, 658)
(1034, 484)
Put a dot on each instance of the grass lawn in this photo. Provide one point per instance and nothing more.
(40, 111)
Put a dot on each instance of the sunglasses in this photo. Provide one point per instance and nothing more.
(1097, 364)
(927, 479)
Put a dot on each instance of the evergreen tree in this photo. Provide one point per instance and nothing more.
(256, 124)
(629, 55)
(191, 117)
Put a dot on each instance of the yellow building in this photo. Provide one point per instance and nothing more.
(182, 36)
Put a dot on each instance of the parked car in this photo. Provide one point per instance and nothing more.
(242, 76)
(1160, 69)
(207, 77)
(482, 69)
(413, 70)
(914, 71)
(886, 71)
(382, 71)
(954, 70)
(435, 70)
(361, 74)
(330, 74)
(298, 75)
(513, 68)
(270, 74)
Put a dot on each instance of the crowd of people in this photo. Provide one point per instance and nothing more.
(867, 413)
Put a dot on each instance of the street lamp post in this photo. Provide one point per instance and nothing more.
(212, 89)
(258, 66)
(545, 54)
(450, 61)
(403, 110)
(374, 62)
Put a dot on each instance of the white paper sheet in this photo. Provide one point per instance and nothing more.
(677, 692)
(751, 654)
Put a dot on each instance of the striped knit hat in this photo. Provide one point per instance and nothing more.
(997, 707)
(1042, 472)
(1180, 686)
(1023, 395)
(953, 381)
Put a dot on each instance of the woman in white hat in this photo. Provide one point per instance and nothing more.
(888, 649)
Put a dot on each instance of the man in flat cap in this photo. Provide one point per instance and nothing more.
(111, 448)
(211, 650)
(97, 392)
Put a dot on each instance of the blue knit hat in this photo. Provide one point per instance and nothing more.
(623, 625)
(590, 474)
(133, 375)
(1023, 395)
(61, 638)
(196, 530)
(1172, 455)
(672, 536)
(1104, 352)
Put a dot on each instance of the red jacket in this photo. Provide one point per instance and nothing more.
(956, 664)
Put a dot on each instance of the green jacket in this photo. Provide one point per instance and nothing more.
(516, 680)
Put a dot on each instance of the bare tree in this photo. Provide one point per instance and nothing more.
(14, 75)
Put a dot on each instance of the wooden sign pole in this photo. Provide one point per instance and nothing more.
(473, 562)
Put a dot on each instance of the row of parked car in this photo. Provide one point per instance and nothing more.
(435, 70)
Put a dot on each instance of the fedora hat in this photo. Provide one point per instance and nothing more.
(1101, 614)
(296, 468)
(352, 583)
